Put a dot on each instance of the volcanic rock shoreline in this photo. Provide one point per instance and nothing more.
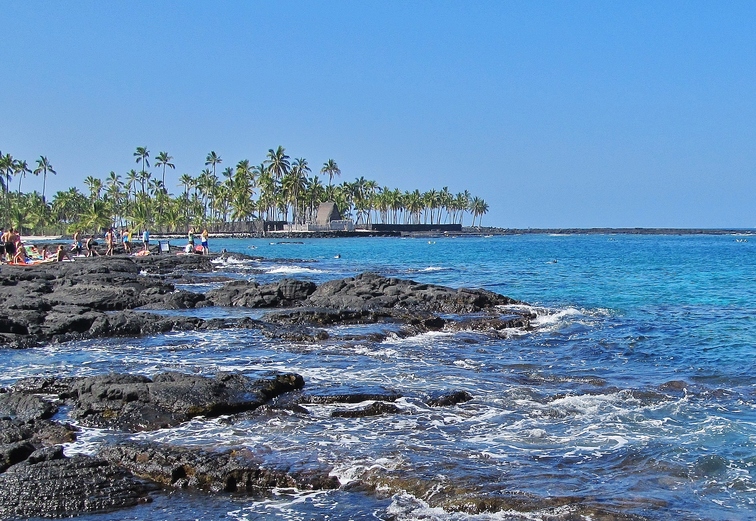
(95, 298)
(107, 297)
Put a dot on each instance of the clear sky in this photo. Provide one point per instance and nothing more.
(558, 114)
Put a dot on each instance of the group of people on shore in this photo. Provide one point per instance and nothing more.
(89, 246)
(14, 250)
(204, 245)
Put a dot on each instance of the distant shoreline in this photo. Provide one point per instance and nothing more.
(612, 231)
(466, 232)
(482, 232)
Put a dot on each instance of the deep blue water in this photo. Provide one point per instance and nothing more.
(635, 390)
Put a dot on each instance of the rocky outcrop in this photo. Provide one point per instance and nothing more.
(284, 293)
(40, 433)
(26, 406)
(370, 298)
(232, 471)
(47, 484)
(372, 291)
(37, 480)
(86, 299)
(449, 398)
(135, 403)
(374, 409)
(97, 297)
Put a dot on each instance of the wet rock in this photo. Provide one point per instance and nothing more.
(490, 323)
(134, 323)
(294, 333)
(328, 316)
(369, 298)
(178, 299)
(41, 433)
(168, 264)
(346, 395)
(43, 385)
(673, 385)
(46, 454)
(49, 486)
(135, 403)
(374, 409)
(24, 406)
(93, 298)
(64, 301)
(372, 291)
(16, 452)
(448, 399)
(284, 293)
(234, 471)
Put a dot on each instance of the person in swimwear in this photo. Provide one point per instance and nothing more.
(20, 257)
(127, 241)
(77, 245)
(109, 240)
(62, 254)
(205, 247)
(9, 249)
(91, 247)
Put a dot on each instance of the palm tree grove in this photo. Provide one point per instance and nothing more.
(219, 197)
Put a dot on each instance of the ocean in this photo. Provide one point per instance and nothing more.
(634, 392)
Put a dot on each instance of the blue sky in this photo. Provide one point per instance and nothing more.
(558, 114)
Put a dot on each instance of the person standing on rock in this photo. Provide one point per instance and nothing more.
(126, 241)
(10, 244)
(190, 238)
(146, 239)
(109, 240)
(8, 247)
(77, 246)
(205, 247)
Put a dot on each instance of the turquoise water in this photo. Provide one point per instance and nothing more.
(635, 391)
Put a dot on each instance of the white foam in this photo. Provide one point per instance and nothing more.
(406, 507)
(378, 353)
(353, 471)
(467, 364)
(418, 340)
(290, 270)
(231, 261)
(550, 318)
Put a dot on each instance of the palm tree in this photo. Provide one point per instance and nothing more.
(186, 181)
(114, 196)
(142, 154)
(132, 177)
(330, 168)
(95, 187)
(21, 168)
(278, 162)
(44, 167)
(68, 205)
(6, 169)
(213, 159)
(164, 160)
(95, 217)
(315, 194)
(296, 184)
(478, 207)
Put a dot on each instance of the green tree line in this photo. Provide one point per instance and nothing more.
(277, 189)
